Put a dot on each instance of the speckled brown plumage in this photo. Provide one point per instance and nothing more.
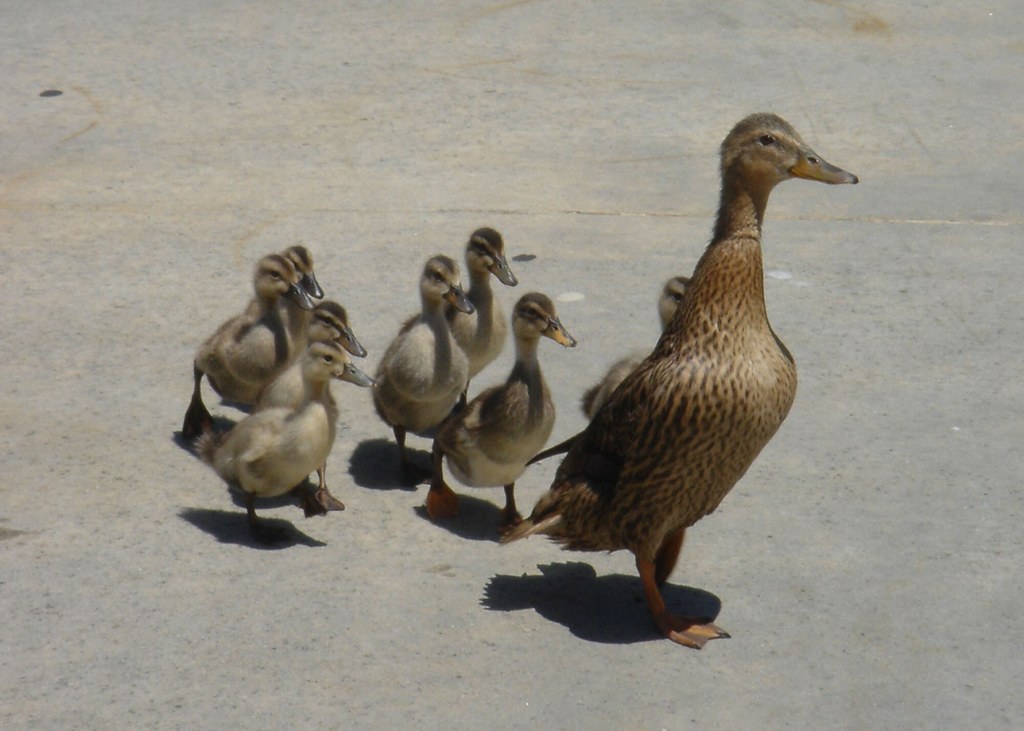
(680, 431)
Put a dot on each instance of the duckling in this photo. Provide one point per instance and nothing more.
(249, 350)
(596, 395)
(488, 443)
(424, 372)
(271, 451)
(302, 259)
(329, 324)
(481, 334)
(329, 321)
(681, 430)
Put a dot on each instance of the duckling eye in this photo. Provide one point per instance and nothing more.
(766, 140)
(276, 275)
(328, 359)
(437, 277)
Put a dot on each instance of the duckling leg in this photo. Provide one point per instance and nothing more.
(197, 417)
(510, 516)
(412, 471)
(688, 631)
(442, 502)
(259, 531)
(323, 496)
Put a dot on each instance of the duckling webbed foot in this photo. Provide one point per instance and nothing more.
(323, 496)
(327, 500)
(692, 632)
(442, 502)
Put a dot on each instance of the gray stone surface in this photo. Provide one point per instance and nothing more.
(868, 565)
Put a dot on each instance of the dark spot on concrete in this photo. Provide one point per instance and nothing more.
(524, 257)
(51, 92)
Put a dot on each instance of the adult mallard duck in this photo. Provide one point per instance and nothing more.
(481, 334)
(489, 442)
(596, 395)
(423, 372)
(245, 353)
(680, 431)
(271, 451)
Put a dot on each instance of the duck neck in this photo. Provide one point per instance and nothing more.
(741, 209)
(434, 317)
(527, 371)
(315, 385)
(481, 296)
(728, 282)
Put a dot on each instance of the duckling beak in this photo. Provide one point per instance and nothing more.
(457, 299)
(348, 342)
(559, 334)
(356, 376)
(299, 296)
(309, 283)
(812, 167)
(502, 272)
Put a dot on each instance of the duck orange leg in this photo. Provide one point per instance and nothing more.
(442, 502)
(510, 515)
(688, 631)
(667, 556)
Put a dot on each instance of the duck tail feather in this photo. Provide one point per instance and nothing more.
(560, 448)
(528, 528)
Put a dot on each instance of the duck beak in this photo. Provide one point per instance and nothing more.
(502, 272)
(348, 342)
(457, 299)
(299, 296)
(356, 376)
(812, 167)
(559, 334)
(309, 283)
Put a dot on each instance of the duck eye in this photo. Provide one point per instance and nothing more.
(328, 359)
(766, 140)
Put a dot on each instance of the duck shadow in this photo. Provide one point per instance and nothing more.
(221, 424)
(375, 464)
(477, 519)
(233, 527)
(607, 609)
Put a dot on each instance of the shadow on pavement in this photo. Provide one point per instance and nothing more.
(374, 463)
(477, 519)
(607, 609)
(229, 526)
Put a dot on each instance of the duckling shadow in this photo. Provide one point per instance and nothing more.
(477, 519)
(375, 464)
(233, 527)
(221, 424)
(608, 609)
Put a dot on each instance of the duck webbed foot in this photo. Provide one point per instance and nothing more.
(689, 631)
(692, 632)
